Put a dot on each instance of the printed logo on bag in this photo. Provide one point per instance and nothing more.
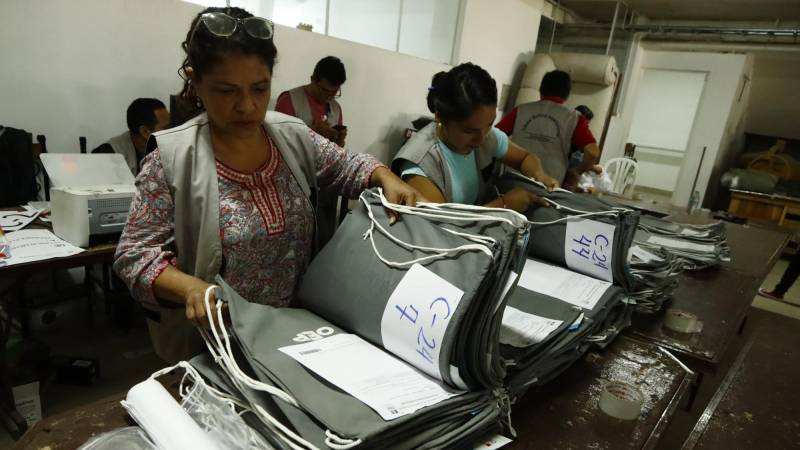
(313, 335)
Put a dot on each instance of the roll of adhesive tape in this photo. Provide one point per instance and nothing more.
(621, 400)
(682, 321)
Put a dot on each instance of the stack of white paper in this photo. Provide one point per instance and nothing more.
(36, 245)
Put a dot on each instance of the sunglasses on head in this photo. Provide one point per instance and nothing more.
(223, 25)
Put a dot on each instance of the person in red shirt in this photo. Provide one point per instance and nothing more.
(550, 129)
(315, 103)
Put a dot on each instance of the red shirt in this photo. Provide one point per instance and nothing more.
(581, 137)
(284, 105)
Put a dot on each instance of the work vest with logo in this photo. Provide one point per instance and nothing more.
(545, 129)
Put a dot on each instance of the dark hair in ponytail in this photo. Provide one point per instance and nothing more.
(204, 49)
(456, 94)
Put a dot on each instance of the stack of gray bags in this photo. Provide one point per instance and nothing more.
(347, 292)
(656, 273)
(575, 329)
(696, 246)
(647, 285)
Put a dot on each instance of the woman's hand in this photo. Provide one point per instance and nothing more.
(181, 288)
(549, 182)
(520, 199)
(572, 179)
(194, 298)
(395, 190)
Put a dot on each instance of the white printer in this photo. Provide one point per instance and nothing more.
(90, 194)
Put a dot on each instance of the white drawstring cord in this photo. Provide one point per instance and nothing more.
(338, 443)
(240, 379)
(228, 359)
(487, 240)
(198, 382)
(438, 252)
(440, 213)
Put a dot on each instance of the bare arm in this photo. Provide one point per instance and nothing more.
(591, 156)
(178, 287)
(518, 199)
(528, 164)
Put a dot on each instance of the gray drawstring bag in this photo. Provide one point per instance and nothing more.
(348, 283)
(580, 328)
(260, 331)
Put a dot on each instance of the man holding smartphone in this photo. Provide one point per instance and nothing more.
(315, 103)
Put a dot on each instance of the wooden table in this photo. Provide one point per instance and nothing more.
(645, 206)
(70, 429)
(778, 209)
(16, 303)
(565, 413)
(758, 403)
(720, 297)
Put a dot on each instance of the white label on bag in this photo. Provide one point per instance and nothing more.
(588, 248)
(521, 329)
(642, 254)
(680, 245)
(563, 284)
(416, 318)
(384, 383)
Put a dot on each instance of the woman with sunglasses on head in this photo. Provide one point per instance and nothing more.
(456, 157)
(228, 191)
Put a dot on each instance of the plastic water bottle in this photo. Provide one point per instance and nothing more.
(694, 201)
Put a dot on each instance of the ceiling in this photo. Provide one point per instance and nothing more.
(713, 10)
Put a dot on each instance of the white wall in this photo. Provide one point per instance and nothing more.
(383, 93)
(500, 36)
(774, 107)
(725, 71)
(620, 123)
(72, 67)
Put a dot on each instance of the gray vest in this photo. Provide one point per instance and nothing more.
(545, 129)
(302, 109)
(423, 150)
(190, 170)
(123, 145)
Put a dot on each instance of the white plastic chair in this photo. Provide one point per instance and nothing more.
(623, 172)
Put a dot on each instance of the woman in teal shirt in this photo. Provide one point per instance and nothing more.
(456, 157)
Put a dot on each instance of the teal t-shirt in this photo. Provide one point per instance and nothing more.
(463, 170)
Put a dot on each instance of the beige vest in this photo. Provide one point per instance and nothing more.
(123, 145)
(302, 109)
(545, 129)
(190, 170)
(423, 150)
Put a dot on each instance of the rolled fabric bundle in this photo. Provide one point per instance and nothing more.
(584, 68)
(163, 419)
